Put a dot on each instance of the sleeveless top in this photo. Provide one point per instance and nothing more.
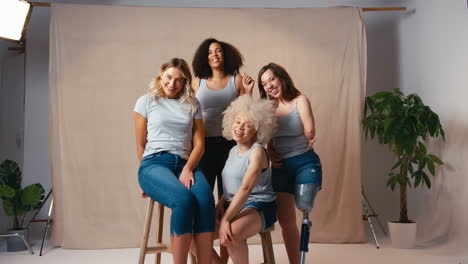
(214, 103)
(289, 140)
(233, 174)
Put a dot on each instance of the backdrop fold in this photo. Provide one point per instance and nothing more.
(102, 59)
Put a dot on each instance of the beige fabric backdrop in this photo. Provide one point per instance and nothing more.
(103, 57)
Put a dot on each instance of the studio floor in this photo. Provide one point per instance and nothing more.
(318, 254)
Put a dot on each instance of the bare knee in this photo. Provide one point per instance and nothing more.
(237, 244)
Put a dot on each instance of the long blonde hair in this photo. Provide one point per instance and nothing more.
(187, 93)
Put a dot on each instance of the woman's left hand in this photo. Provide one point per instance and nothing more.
(248, 83)
(310, 145)
(186, 178)
(225, 233)
(219, 213)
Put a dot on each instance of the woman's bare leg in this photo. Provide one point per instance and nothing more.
(203, 246)
(215, 259)
(180, 246)
(246, 224)
(224, 254)
(286, 207)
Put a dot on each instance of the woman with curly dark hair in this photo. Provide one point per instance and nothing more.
(217, 83)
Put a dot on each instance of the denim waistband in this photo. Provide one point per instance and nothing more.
(164, 154)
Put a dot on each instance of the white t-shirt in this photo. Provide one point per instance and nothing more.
(169, 125)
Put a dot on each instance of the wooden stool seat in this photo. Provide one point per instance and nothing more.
(159, 247)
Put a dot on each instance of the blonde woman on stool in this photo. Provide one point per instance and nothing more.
(170, 142)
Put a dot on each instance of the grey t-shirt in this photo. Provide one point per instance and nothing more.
(233, 173)
(169, 125)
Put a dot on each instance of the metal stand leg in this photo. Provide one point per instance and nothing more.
(366, 204)
(366, 212)
(27, 244)
(373, 212)
(48, 224)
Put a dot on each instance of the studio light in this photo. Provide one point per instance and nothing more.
(13, 17)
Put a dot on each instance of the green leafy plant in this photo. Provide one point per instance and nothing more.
(17, 201)
(404, 123)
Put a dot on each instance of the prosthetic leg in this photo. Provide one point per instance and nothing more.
(305, 196)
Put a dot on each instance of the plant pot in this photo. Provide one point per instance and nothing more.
(402, 235)
(16, 243)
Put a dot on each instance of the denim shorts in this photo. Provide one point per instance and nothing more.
(304, 168)
(267, 211)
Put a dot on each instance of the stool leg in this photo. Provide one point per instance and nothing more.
(271, 253)
(267, 247)
(160, 231)
(264, 251)
(144, 242)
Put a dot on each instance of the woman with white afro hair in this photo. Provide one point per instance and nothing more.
(248, 205)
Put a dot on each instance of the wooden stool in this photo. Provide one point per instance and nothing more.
(160, 247)
(267, 246)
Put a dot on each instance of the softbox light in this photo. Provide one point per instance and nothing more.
(13, 17)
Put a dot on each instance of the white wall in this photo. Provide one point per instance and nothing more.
(383, 73)
(11, 102)
(11, 108)
(36, 134)
(433, 40)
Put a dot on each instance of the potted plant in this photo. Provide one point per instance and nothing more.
(17, 201)
(403, 123)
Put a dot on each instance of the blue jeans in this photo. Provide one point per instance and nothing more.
(304, 168)
(212, 163)
(193, 211)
